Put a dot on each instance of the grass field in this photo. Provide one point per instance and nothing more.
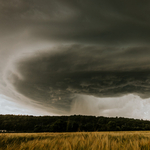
(76, 141)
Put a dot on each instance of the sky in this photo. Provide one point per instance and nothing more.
(62, 57)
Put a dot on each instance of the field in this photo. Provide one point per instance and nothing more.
(137, 140)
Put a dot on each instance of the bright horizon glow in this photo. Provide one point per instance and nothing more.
(128, 106)
(7, 106)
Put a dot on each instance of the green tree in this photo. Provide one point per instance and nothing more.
(111, 125)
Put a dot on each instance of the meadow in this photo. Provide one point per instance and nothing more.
(136, 140)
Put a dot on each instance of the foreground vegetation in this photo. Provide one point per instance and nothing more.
(76, 141)
(75, 123)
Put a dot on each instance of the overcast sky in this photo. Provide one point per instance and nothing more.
(62, 57)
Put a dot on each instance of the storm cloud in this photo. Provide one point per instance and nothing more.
(55, 78)
(96, 22)
(55, 53)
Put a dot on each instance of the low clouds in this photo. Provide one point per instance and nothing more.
(52, 51)
(55, 78)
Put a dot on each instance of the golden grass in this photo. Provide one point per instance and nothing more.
(76, 141)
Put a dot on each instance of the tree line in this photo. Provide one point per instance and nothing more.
(74, 123)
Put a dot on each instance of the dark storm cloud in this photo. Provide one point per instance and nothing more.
(55, 78)
(99, 22)
(107, 52)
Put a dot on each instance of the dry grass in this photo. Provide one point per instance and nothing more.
(76, 141)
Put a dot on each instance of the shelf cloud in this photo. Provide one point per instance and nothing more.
(55, 78)
(53, 52)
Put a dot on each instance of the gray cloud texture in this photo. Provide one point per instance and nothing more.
(54, 78)
(98, 22)
(52, 51)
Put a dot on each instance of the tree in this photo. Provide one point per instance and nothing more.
(111, 125)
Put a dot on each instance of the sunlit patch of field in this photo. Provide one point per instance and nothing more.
(76, 141)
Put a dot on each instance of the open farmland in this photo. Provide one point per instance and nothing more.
(136, 140)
